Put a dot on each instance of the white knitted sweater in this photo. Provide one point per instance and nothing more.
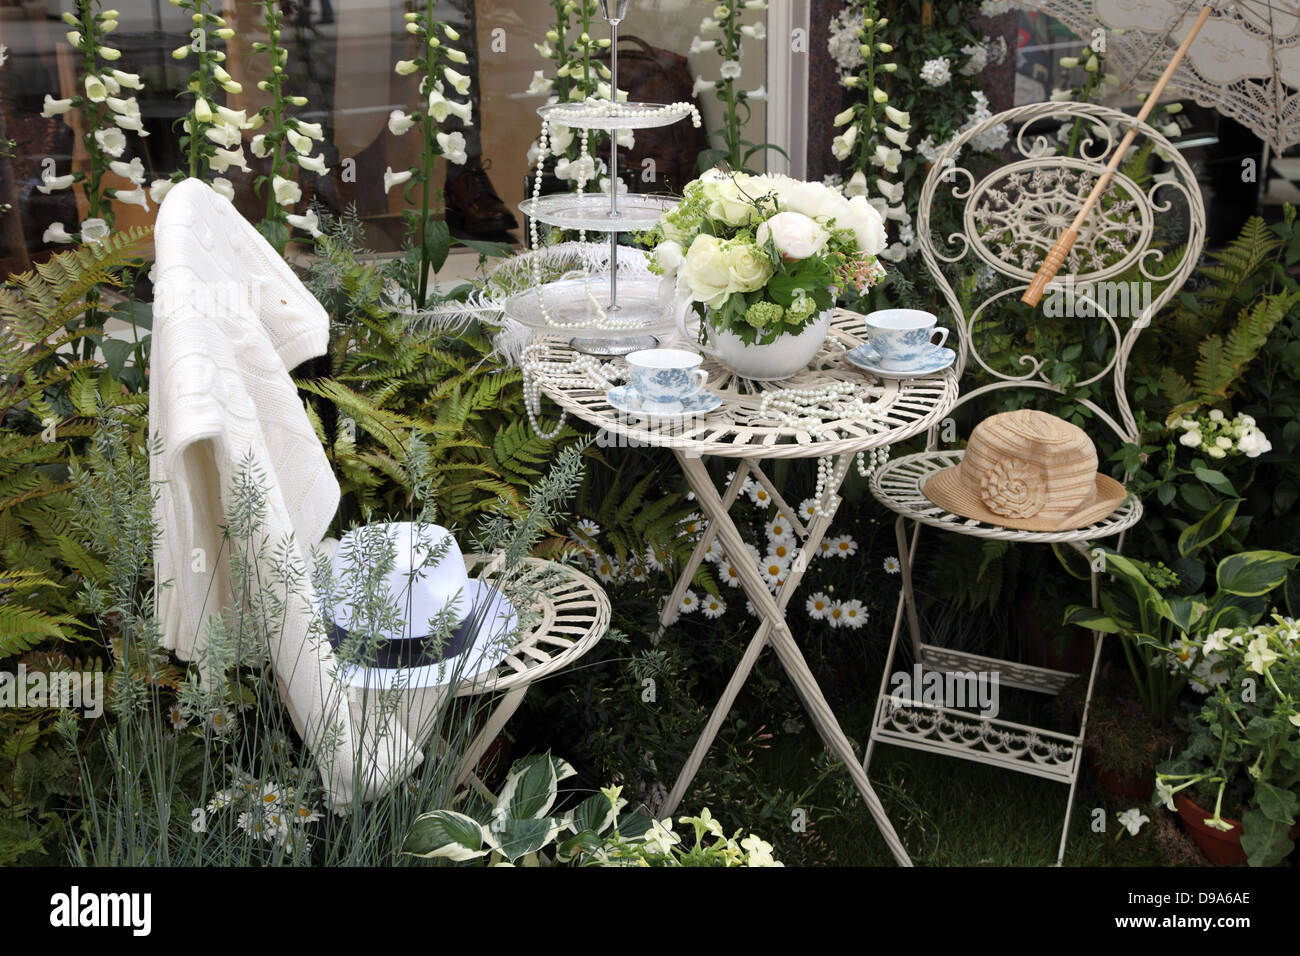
(230, 320)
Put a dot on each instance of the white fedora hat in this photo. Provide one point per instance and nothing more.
(427, 580)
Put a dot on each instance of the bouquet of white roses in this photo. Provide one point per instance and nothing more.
(760, 256)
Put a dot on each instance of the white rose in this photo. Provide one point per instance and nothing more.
(795, 235)
(706, 273)
(727, 201)
(867, 224)
(750, 269)
(668, 255)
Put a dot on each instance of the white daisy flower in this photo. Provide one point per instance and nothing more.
(893, 565)
(714, 607)
(177, 717)
(808, 509)
(713, 552)
(606, 569)
(825, 548)
(855, 615)
(586, 528)
(689, 602)
(221, 722)
(780, 528)
(773, 569)
(836, 614)
(783, 549)
(749, 609)
(303, 814)
(760, 496)
(819, 606)
(638, 573)
(656, 557)
(844, 546)
(729, 575)
(694, 524)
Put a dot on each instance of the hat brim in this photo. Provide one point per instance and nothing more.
(491, 622)
(945, 489)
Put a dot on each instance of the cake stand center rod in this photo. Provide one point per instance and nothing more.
(614, 19)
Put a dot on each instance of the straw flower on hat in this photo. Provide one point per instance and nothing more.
(1027, 470)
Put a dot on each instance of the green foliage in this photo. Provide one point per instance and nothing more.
(387, 382)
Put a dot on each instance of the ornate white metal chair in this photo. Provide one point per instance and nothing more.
(1147, 232)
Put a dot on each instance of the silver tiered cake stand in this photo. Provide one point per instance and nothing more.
(603, 314)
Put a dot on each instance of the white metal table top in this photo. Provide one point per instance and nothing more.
(747, 425)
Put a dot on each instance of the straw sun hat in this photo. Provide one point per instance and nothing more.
(1027, 470)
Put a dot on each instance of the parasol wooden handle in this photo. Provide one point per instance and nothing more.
(1047, 272)
(1051, 266)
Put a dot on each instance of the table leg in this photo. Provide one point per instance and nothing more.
(782, 641)
(673, 609)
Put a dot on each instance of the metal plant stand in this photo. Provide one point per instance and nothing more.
(1009, 218)
(745, 429)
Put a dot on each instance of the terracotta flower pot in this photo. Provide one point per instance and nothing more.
(1222, 848)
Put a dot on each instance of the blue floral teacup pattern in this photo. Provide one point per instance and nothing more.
(902, 336)
(665, 378)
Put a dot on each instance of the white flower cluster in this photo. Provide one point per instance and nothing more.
(266, 811)
(937, 72)
(995, 8)
(716, 34)
(991, 140)
(1217, 436)
(981, 55)
(109, 88)
(843, 44)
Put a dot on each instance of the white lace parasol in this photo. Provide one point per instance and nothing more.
(1245, 62)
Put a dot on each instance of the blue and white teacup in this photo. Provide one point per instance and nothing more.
(665, 379)
(903, 336)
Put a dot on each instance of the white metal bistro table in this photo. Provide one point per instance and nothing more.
(831, 410)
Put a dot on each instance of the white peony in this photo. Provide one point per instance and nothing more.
(867, 224)
(794, 234)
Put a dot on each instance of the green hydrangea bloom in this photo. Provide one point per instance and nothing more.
(800, 310)
(763, 314)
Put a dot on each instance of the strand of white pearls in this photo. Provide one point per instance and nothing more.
(596, 108)
(535, 369)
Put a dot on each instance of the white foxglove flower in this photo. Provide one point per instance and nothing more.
(897, 137)
(534, 153)
(223, 159)
(604, 185)
(842, 145)
(202, 111)
(399, 123)
(96, 91)
(287, 192)
(465, 111)
(458, 81)
(134, 197)
(708, 25)
(1061, 96)
(392, 179)
(730, 70)
(123, 107)
(308, 223)
(758, 94)
(540, 83)
(315, 163)
(258, 146)
(301, 144)
(703, 86)
(625, 138)
(701, 45)
(235, 118)
(111, 85)
(439, 106)
(159, 188)
(313, 130)
(129, 80)
(898, 117)
(111, 141)
(893, 192)
(755, 31)
(846, 117)
(131, 121)
(133, 171)
(224, 187)
(55, 107)
(857, 185)
(56, 233)
(561, 138)
(457, 56)
(404, 67)
(94, 230)
(453, 147)
(223, 135)
(544, 49)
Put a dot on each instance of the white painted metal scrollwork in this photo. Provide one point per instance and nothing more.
(1134, 251)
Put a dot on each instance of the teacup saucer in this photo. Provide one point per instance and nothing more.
(935, 359)
(625, 399)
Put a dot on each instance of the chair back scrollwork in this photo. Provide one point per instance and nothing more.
(984, 233)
